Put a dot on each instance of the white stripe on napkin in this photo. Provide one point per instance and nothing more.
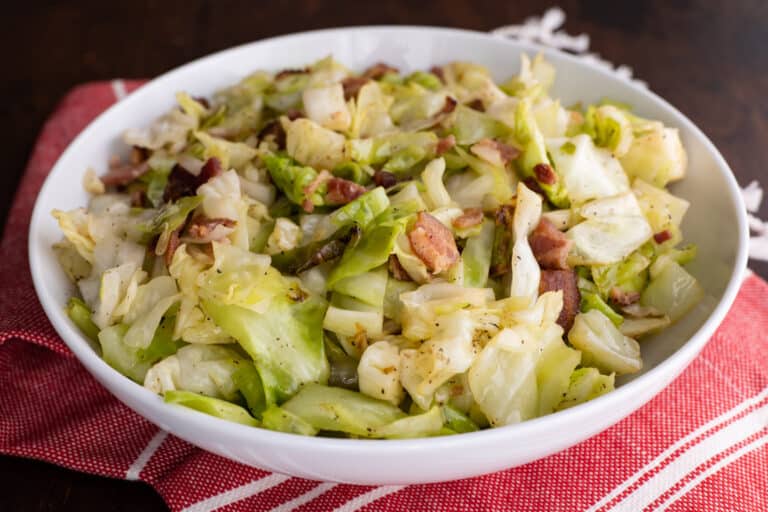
(723, 418)
(754, 445)
(359, 502)
(708, 448)
(304, 498)
(118, 88)
(238, 493)
(145, 455)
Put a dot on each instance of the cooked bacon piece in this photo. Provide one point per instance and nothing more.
(623, 298)
(352, 86)
(397, 270)
(501, 255)
(476, 105)
(294, 71)
(293, 114)
(384, 179)
(341, 191)
(138, 155)
(433, 243)
(202, 229)
(445, 144)
(183, 183)
(545, 174)
(471, 217)
(173, 244)
(378, 70)
(438, 72)
(124, 174)
(532, 184)
(137, 198)
(449, 106)
(550, 246)
(275, 130)
(494, 152)
(565, 280)
(180, 183)
(321, 178)
(662, 236)
(203, 101)
(210, 169)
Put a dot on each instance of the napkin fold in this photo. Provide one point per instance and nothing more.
(699, 445)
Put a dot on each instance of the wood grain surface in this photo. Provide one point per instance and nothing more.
(708, 58)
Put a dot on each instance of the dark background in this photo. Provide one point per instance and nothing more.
(708, 58)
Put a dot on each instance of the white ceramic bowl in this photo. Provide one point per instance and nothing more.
(715, 221)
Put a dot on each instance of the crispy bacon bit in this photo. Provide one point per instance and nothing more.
(308, 206)
(449, 106)
(476, 105)
(203, 101)
(438, 72)
(445, 144)
(138, 155)
(545, 174)
(180, 183)
(137, 198)
(433, 243)
(318, 253)
(352, 86)
(508, 153)
(471, 217)
(501, 257)
(321, 178)
(275, 130)
(397, 270)
(565, 280)
(341, 191)
(202, 229)
(291, 71)
(550, 246)
(384, 179)
(532, 184)
(183, 183)
(173, 244)
(378, 70)
(623, 298)
(124, 174)
(293, 114)
(662, 236)
(494, 152)
(211, 168)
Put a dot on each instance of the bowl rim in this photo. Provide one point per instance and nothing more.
(673, 365)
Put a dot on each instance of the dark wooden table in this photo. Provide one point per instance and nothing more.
(709, 59)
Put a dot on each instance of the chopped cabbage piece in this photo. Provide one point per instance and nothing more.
(613, 228)
(587, 172)
(586, 384)
(285, 341)
(213, 406)
(673, 291)
(525, 269)
(656, 156)
(603, 345)
(379, 372)
(310, 144)
(448, 352)
(325, 106)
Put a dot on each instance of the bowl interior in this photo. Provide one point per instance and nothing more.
(709, 185)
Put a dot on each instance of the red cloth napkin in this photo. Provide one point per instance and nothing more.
(699, 445)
